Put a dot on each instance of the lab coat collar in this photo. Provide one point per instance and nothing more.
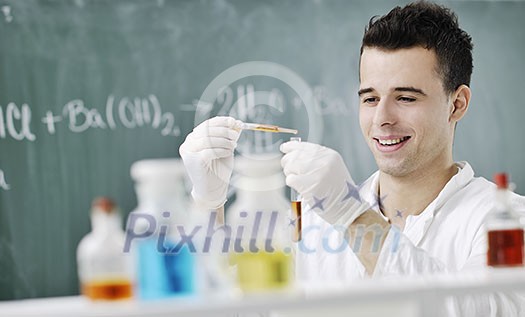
(369, 191)
(417, 226)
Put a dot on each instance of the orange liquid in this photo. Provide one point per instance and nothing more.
(296, 212)
(267, 128)
(505, 248)
(108, 290)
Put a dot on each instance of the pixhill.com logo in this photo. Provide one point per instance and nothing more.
(252, 235)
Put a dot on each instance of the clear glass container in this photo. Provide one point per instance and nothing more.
(105, 270)
(260, 220)
(165, 268)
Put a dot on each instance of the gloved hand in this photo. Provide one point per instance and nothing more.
(319, 174)
(207, 154)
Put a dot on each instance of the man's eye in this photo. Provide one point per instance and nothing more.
(369, 100)
(406, 99)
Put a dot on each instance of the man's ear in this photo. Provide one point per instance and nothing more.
(460, 102)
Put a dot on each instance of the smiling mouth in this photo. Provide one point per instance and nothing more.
(392, 142)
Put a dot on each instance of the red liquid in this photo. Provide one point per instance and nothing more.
(505, 248)
(296, 212)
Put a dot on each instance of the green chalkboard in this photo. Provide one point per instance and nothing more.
(87, 87)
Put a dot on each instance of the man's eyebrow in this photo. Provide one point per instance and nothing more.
(406, 89)
(364, 91)
(410, 89)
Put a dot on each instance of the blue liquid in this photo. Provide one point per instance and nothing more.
(164, 273)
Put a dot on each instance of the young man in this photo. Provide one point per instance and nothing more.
(422, 212)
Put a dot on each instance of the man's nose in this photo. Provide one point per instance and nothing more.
(386, 113)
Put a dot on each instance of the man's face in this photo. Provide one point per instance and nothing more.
(404, 111)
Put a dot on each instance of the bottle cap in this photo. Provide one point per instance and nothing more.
(104, 204)
(501, 180)
(168, 168)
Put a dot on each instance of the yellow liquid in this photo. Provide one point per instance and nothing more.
(267, 128)
(108, 290)
(262, 271)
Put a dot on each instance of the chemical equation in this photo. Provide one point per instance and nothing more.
(126, 112)
(243, 100)
(3, 183)
(247, 104)
(241, 103)
(129, 113)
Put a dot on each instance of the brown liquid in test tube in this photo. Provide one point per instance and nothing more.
(296, 212)
(295, 198)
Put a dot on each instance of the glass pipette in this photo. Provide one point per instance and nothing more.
(266, 128)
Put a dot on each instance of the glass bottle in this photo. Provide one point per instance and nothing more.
(505, 230)
(165, 267)
(105, 270)
(260, 222)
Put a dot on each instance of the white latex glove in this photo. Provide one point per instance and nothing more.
(319, 174)
(207, 154)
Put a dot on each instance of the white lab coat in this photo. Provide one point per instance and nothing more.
(448, 236)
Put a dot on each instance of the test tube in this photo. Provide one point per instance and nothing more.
(266, 128)
(295, 199)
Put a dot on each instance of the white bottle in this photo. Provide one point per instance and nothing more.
(260, 221)
(105, 270)
(160, 188)
(162, 269)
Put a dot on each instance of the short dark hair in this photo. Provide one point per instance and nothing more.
(431, 26)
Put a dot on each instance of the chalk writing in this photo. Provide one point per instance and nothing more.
(50, 121)
(325, 105)
(3, 183)
(127, 112)
(240, 102)
(130, 113)
(15, 122)
(6, 10)
(244, 104)
(16, 116)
